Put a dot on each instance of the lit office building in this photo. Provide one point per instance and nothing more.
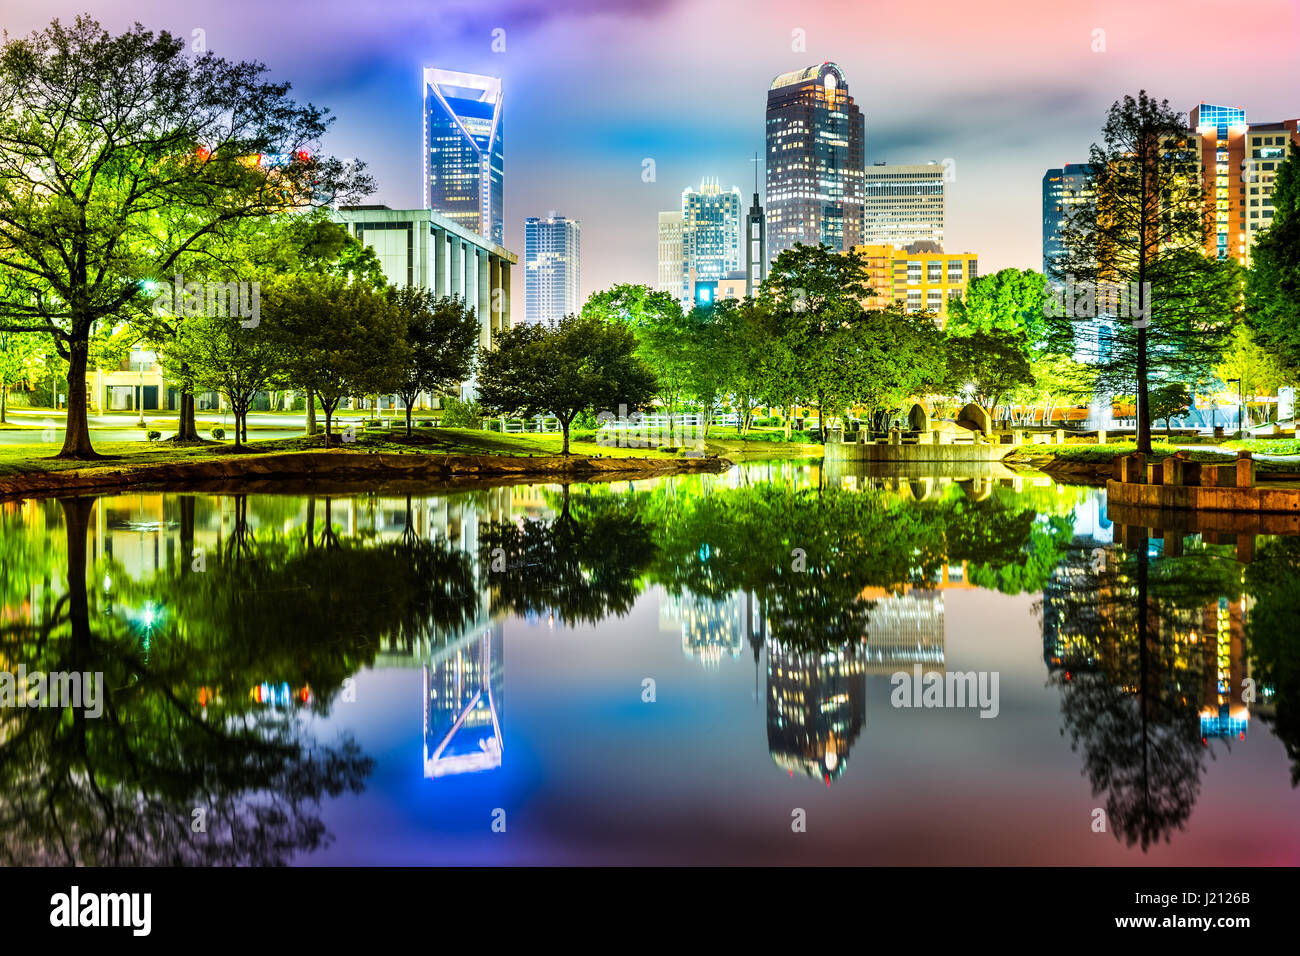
(711, 231)
(920, 277)
(552, 269)
(1064, 190)
(815, 136)
(902, 204)
(669, 278)
(464, 165)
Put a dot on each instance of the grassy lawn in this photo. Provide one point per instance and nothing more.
(1103, 453)
(23, 459)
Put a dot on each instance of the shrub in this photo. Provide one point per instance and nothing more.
(458, 414)
(218, 433)
(374, 423)
(425, 423)
(152, 435)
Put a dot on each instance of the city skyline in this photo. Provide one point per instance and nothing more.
(1003, 119)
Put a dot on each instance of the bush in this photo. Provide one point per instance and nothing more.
(1266, 446)
(152, 435)
(425, 423)
(458, 414)
(218, 433)
(584, 434)
(374, 423)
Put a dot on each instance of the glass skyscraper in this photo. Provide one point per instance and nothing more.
(463, 161)
(1064, 190)
(815, 137)
(552, 268)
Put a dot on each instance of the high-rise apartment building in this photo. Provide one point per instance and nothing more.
(1238, 162)
(669, 277)
(1064, 190)
(552, 268)
(815, 141)
(464, 164)
(902, 204)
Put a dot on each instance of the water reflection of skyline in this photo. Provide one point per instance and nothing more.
(1134, 633)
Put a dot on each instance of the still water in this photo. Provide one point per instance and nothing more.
(698, 669)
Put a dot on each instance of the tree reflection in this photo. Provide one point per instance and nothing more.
(1273, 579)
(185, 766)
(1136, 710)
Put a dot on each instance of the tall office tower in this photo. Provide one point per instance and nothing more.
(552, 268)
(1238, 162)
(464, 165)
(710, 234)
(669, 278)
(815, 136)
(755, 247)
(1064, 190)
(902, 204)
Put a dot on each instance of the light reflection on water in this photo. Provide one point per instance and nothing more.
(659, 671)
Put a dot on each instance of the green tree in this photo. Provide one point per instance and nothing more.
(1260, 371)
(441, 337)
(1273, 284)
(1145, 237)
(1011, 300)
(816, 294)
(121, 154)
(583, 364)
(20, 356)
(336, 338)
(987, 365)
(220, 353)
(663, 336)
(1170, 400)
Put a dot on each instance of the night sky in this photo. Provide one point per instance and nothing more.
(594, 87)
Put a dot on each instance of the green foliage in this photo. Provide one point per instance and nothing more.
(585, 363)
(1010, 301)
(1273, 285)
(1171, 400)
(458, 414)
(103, 131)
(441, 335)
(988, 365)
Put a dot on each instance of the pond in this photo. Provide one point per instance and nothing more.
(772, 665)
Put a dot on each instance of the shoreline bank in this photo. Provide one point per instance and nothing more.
(343, 467)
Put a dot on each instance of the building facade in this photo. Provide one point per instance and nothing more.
(423, 248)
(669, 278)
(815, 141)
(920, 277)
(552, 269)
(902, 204)
(1064, 190)
(755, 247)
(464, 160)
(1238, 163)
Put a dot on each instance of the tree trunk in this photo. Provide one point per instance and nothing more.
(408, 419)
(311, 412)
(76, 440)
(564, 450)
(4, 402)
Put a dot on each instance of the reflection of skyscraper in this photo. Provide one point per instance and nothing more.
(710, 629)
(464, 699)
(816, 707)
(464, 165)
(1223, 712)
(905, 629)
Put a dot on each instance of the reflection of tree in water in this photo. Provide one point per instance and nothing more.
(1137, 716)
(584, 564)
(1273, 580)
(179, 731)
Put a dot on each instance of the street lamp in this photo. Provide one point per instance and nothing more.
(1241, 406)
